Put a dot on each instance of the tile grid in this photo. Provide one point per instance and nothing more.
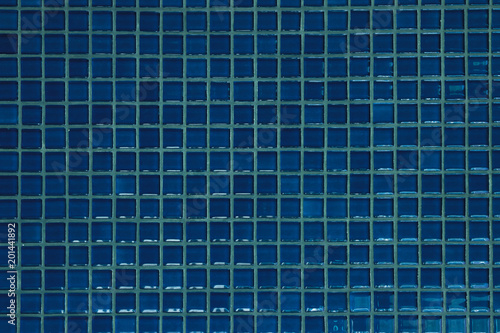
(255, 189)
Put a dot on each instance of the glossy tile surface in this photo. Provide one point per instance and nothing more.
(251, 165)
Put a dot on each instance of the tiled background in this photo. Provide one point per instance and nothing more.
(251, 165)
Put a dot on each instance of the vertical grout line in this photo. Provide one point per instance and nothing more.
(19, 188)
(137, 153)
(302, 110)
(89, 81)
(324, 177)
(443, 126)
(44, 165)
(394, 160)
(490, 175)
(161, 238)
(254, 153)
(304, 243)
(467, 167)
(277, 120)
(184, 161)
(207, 168)
(230, 169)
(371, 187)
(348, 108)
